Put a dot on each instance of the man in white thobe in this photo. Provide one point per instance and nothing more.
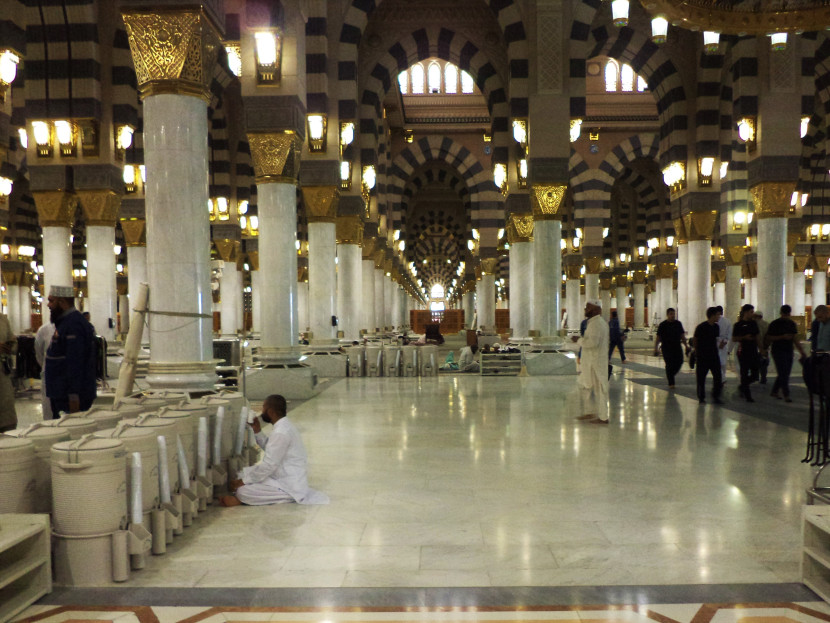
(43, 338)
(282, 474)
(724, 341)
(593, 374)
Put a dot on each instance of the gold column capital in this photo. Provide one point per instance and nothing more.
(379, 257)
(700, 225)
(134, 232)
(801, 262)
(572, 271)
(369, 247)
(321, 203)
(546, 200)
(173, 51)
(734, 255)
(640, 277)
(593, 265)
(519, 228)
(253, 260)
(489, 265)
(772, 199)
(228, 250)
(100, 206)
(680, 231)
(275, 156)
(665, 270)
(621, 281)
(349, 230)
(55, 208)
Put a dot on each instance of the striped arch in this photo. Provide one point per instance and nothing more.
(422, 44)
(592, 187)
(707, 115)
(583, 17)
(316, 58)
(125, 102)
(649, 210)
(664, 81)
(432, 174)
(63, 60)
(813, 163)
(486, 205)
(219, 165)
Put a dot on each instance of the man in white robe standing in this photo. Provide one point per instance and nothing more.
(43, 338)
(282, 474)
(593, 375)
(724, 341)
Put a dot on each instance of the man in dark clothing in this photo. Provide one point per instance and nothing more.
(70, 359)
(615, 337)
(705, 343)
(782, 336)
(671, 337)
(748, 336)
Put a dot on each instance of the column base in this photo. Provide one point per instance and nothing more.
(187, 376)
(550, 363)
(270, 355)
(293, 381)
(327, 361)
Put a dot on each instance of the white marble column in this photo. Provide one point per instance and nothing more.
(380, 304)
(403, 318)
(772, 265)
(665, 297)
(572, 306)
(136, 275)
(256, 294)
(13, 307)
(302, 306)
(683, 286)
(277, 208)
(699, 275)
(468, 305)
(639, 305)
(521, 276)
(57, 258)
(486, 301)
(753, 289)
(349, 288)
(591, 286)
(622, 302)
(746, 299)
(367, 300)
(230, 293)
(389, 301)
(25, 309)
(100, 259)
(819, 288)
(547, 276)
(788, 286)
(321, 280)
(799, 293)
(720, 294)
(605, 298)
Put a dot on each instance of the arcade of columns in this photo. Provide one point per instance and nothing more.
(701, 248)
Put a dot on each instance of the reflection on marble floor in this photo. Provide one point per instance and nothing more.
(481, 481)
(812, 612)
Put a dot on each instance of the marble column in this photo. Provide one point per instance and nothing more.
(733, 290)
(25, 309)
(13, 295)
(622, 300)
(699, 275)
(788, 286)
(486, 295)
(230, 291)
(753, 289)
(56, 214)
(368, 298)
(256, 286)
(547, 274)
(136, 273)
(799, 293)
(605, 298)
(819, 288)
(176, 193)
(572, 306)
(349, 275)
(683, 282)
(468, 305)
(666, 284)
(321, 203)
(639, 305)
(521, 276)
(720, 294)
(389, 299)
(395, 306)
(591, 286)
(302, 306)
(380, 290)
(772, 205)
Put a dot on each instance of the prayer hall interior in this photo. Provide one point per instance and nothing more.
(300, 183)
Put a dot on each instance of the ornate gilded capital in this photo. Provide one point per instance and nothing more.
(350, 230)
(14, 272)
(100, 206)
(593, 265)
(621, 280)
(572, 271)
(546, 200)
(520, 228)
(772, 199)
(793, 238)
(665, 270)
(700, 225)
(173, 51)
(801, 262)
(55, 208)
(680, 231)
(134, 232)
(369, 245)
(321, 203)
(719, 276)
(379, 257)
(228, 250)
(489, 266)
(640, 277)
(253, 259)
(276, 156)
(734, 255)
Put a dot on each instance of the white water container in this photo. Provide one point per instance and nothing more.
(89, 485)
(17, 478)
(129, 410)
(143, 441)
(76, 425)
(429, 360)
(228, 424)
(411, 360)
(104, 418)
(43, 438)
(374, 361)
(187, 423)
(392, 360)
(168, 428)
(237, 400)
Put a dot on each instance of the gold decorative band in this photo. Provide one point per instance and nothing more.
(489, 265)
(275, 156)
(593, 265)
(55, 208)
(772, 199)
(350, 230)
(700, 225)
(100, 206)
(321, 203)
(134, 232)
(546, 200)
(520, 228)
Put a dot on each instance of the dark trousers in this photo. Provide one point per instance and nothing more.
(674, 361)
(749, 363)
(62, 404)
(619, 344)
(763, 366)
(784, 365)
(704, 366)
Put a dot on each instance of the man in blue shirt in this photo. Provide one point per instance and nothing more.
(616, 337)
(820, 329)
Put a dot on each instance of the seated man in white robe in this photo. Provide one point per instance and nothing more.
(282, 474)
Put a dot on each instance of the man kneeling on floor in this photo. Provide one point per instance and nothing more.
(282, 474)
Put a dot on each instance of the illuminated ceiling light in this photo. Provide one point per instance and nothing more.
(268, 52)
(26, 251)
(500, 177)
(607, 262)
(520, 131)
(805, 124)
(562, 244)
(23, 137)
(316, 124)
(345, 174)
(738, 219)
(116, 249)
(724, 169)
(659, 29)
(576, 129)
(6, 186)
(746, 129)
(575, 243)
(705, 167)
(242, 207)
(605, 232)
(619, 13)
(346, 133)
(369, 176)
(711, 41)
(778, 41)
(579, 232)
(8, 71)
(63, 130)
(5, 249)
(670, 241)
(674, 175)
(129, 177)
(522, 173)
(653, 243)
(500, 234)
(475, 233)
(43, 138)
(234, 51)
(254, 222)
(471, 245)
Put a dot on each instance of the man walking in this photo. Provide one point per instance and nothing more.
(593, 375)
(748, 337)
(783, 336)
(725, 327)
(705, 343)
(763, 355)
(671, 338)
(616, 337)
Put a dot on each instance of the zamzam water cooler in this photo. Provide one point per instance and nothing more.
(374, 361)
(104, 418)
(75, 424)
(187, 422)
(17, 479)
(43, 438)
(203, 484)
(89, 484)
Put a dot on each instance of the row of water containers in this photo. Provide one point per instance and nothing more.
(121, 482)
(393, 360)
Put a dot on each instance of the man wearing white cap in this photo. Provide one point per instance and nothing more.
(593, 375)
(70, 360)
